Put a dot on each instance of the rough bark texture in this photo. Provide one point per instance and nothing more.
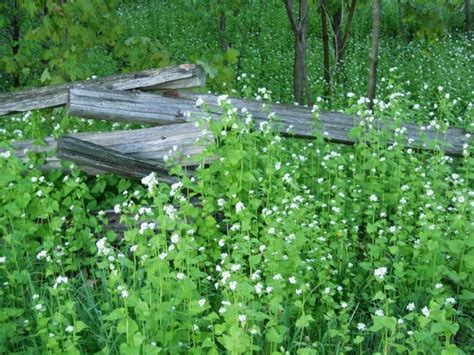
(347, 30)
(16, 33)
(299, 26)
(374, 52)
(294, 120)
(401, 22)
(222, 27)
(177, 77)
(325, 38)
(89, 154)
(468, 10)
(340, 35)
(149, 144)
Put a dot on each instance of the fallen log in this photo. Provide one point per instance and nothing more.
(176, 77)
(295, 121)
(85, 153)
(153, 145)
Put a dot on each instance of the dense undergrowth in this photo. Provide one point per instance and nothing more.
(294, 246)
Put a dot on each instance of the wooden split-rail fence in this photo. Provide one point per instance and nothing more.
(136, 153)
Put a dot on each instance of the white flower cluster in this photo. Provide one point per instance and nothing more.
(146, 226)
(60, 280)
(150, 181)
(102, 248)
(380, 272)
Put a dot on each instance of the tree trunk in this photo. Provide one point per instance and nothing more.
(300, 29)
(222, 30)
(16, 32)
(337, 39)
(347, 30)
(468, 10)
(299, 71)
(325, 38)
(374, 52)
(401, 15)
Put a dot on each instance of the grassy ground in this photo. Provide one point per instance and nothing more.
(297, 247)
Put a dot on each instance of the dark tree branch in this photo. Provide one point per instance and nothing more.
(291, 15)
(374, 52)
(325, 38)
(468, 10)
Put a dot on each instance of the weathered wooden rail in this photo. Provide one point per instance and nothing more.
(177, 77)
(293, 120)
(136, 153)
(150, 145)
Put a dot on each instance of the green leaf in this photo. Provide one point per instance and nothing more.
(45, 76)
(116, 314)
(208, 69)
(380, 323)
(304, 321)
(127, 326)
(273, 336)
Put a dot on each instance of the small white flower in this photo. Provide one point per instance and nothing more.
(124, 293)
(163, 256)
(379, 313)
(239, 207)
(373, 198)
(411, 306)
(438, 286)
(2, 259)
(233, 285)
(425, 311)
(60, 280)
(39, 307)
(380, 272)
(5, 155)
(69, 329)
(222, 99)
(175, 238)
(286, 178)
(242, 318)
(202, 302)
(258, 288)
(277, 277)
(199, 101)
(150, 181)
(450, 301)
(221, 202)
(361, 326)
(133, 248)
(292, 280)
(180, 276)
(344, 305)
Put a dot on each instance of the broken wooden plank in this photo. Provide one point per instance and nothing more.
(113, 105)
(89, 154)
(291, 120)
(182, 76)
(154, 145)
